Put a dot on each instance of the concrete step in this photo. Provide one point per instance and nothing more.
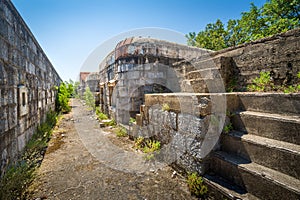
(220, 188)
(272, 184)
(270, 102)
(274, 126)
(278, 155)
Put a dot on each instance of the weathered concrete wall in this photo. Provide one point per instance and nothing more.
(139, 66)
(27, 81)
(187, 124)
(279, 55)
(238, 66)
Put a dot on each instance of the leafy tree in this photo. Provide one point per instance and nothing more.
(191, 39)
(76, 86)
(281, 15)
(89, 98)
(275, 16)
(62, 99)
(213, 37)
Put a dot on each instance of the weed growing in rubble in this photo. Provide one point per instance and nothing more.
(139, 142)
(121, 132)
(146, 145)
(228, 128)
(132, 120)
(165, 107)
(196, 185)
(151, 146)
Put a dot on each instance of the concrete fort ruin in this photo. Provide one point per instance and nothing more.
(27, 84)
(179, 95)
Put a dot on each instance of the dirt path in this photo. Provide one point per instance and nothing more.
(85, 162)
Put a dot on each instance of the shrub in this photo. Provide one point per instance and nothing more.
(89, 98)
(262, 83)
(62, 99)
(196, 185)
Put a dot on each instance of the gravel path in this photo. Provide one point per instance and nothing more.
(86, 162)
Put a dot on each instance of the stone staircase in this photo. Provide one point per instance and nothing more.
(260, 158)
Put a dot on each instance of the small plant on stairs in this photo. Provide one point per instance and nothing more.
(196, 185)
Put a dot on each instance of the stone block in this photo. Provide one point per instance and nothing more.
(4, 49)
(21, 142)
(139, 120)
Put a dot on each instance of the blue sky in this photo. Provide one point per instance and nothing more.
(70, 31)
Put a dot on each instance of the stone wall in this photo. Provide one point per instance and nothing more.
(188, 125)
(238, 66)
(279, 55)
(27, 80)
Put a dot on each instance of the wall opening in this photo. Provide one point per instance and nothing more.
(23, 99)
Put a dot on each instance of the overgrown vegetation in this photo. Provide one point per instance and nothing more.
(227, 128)
(147, 145)
(64, 93)
(100, 115)
(196, 185)
(132, 120)
(19, 176)
(89, 98)
(264, 83)
(275, 16)
(121, 132)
